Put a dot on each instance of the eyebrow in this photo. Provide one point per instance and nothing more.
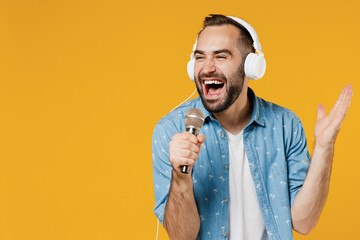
(198, 51)
(215, 52)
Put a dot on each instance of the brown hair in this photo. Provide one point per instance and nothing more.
(245, 40)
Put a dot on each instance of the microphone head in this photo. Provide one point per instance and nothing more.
(194, 119)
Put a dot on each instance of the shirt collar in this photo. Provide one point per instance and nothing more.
(257, 114)
(207, 114)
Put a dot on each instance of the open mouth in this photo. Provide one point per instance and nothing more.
(213, 87)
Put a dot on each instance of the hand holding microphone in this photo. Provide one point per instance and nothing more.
(184, 147)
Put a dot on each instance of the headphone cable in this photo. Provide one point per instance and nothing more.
(184, 101)
(157, 230)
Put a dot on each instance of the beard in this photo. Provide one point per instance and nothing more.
(234, 86)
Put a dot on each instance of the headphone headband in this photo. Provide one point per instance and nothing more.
(251, 30)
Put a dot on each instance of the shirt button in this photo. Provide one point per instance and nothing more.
(226, 200)
(224, 234)
(226, 166)
(222, 134)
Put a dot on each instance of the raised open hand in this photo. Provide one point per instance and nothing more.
(327, 127)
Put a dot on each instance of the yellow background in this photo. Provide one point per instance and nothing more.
(83, 83)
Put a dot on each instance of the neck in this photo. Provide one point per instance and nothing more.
(235, 118)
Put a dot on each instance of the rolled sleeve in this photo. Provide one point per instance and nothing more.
(161, 168)
(298, 158)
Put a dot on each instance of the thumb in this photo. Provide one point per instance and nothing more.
(201, 138)
(320, 112)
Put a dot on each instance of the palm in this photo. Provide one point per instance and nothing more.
(327, 127)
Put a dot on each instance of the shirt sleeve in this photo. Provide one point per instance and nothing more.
(298, 158)
(161, 168)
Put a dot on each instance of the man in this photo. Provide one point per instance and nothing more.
(251, 178)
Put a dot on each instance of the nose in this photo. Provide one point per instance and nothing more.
(209, 66)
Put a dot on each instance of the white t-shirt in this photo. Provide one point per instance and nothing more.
(245, 220)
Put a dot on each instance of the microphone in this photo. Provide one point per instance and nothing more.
(194, 120)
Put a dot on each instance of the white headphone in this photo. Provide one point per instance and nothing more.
(255, 63)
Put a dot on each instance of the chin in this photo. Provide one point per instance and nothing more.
(214, 106)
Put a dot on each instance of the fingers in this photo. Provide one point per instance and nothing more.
(185, 145)
(321, 113)
(178, 161)
(348, 95)
(185, 136)
(338, 113)
(342, 102)
(184, 149)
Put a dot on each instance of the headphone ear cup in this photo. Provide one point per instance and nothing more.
(255, 66)
(191, 69)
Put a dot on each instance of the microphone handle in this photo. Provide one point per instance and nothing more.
(186, 169)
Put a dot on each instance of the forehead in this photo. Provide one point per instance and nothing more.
(217, 37)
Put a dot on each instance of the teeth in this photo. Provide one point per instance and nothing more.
(213, 82)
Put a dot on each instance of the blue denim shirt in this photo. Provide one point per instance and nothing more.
(276, 147)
